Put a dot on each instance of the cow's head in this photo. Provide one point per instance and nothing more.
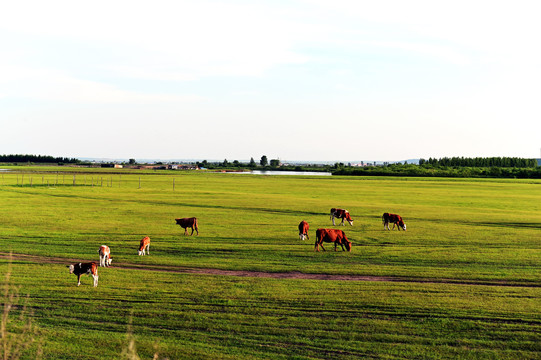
(109, 261)
(347, 244)
(72, 268)
(402, 224)
(349, 219)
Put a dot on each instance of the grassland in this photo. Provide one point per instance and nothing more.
(463, 282)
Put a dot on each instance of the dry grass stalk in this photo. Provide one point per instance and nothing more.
(15, 339)
(129, 352)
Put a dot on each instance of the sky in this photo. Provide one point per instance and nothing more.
(340, 80)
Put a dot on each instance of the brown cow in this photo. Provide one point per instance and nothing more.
(186, 223)
(338, 237)
(395, 219)
(303, 230)
(341, 214)
(144, 244)
(85, 268)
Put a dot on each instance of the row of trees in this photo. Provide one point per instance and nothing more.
(17, 158)
(507, 167)
(429, 170)
(481, 162)
(263, 162)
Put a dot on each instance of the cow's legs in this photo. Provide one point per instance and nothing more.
(79, 280)
(333, 221)
(318, 243)
(95, 277)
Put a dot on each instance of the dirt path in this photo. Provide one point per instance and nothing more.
(274, 275)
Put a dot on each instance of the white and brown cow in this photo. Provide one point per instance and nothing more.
(303, 230)
(79, 269)
(395, 219)
(186, 223)
(341, 214)
(144, 244)
(105, 255)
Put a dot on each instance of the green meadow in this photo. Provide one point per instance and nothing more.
(463, 282)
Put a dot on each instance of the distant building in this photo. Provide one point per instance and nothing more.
(182, 167)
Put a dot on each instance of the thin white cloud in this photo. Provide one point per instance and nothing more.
(46, 84)
(444, 53)
(189, 39)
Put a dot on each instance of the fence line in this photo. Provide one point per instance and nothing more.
(51, 179)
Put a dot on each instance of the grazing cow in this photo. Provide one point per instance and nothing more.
(341, 214)
(338, 237)
(303, 230)
(105, 255)
(85, 268)
(144, 244)
(395, 219)
(186, 223)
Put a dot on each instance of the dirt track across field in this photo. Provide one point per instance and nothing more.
(263, 274)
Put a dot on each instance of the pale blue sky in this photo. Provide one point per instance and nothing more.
(296, 80)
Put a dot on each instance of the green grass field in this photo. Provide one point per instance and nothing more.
(464, 282)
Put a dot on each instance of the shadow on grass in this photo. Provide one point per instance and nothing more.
(504, 224)
(174, 203)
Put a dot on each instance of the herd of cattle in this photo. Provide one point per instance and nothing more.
(338, 237)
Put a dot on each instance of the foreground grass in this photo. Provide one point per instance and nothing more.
(458, 230)
(201, 317)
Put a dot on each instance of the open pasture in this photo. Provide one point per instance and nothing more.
(462, 282)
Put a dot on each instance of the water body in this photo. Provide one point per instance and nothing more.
(273, 172)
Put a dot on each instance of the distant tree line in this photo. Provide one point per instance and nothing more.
(263, 164)
(38, 159)
(505, 162)
(447, 167)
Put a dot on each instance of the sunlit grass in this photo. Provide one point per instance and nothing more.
(482, 231)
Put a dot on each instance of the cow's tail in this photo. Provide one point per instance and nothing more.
(195, 225)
